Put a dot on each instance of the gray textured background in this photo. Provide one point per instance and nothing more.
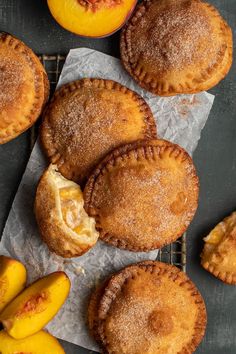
(215, 159)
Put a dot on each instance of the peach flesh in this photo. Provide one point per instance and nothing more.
(91, 20)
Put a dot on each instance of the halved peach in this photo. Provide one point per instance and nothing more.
(29, 312)
(40, 343)
(12, 279)
(91, 18)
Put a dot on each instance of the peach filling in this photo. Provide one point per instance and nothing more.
(222, 229)
(73, 214)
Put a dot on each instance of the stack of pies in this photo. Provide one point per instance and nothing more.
(85, 121)
(141, 191)
(88, 118)
(24, 87)
(147, 308)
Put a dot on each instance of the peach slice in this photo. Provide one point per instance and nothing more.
(39, 343)
(91, 18)
(29, 312)
(12, 279)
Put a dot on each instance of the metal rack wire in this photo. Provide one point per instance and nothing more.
(53, 65)
(174, 253)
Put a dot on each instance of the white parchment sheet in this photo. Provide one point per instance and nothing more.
(180, 119)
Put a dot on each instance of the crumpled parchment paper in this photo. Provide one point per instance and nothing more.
(180, 119)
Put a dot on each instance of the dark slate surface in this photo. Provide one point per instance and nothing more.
(215, 159)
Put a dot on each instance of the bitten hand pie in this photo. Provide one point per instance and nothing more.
(171, 47)
(62, 220)
(143, 195)
(24, 87)
(87, 119)
(148, 308)
(219, 253)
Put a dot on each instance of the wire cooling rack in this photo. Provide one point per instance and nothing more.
(53, 65)
(174, 253)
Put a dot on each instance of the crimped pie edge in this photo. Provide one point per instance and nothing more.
(226, 277)
(41, 89)
(109, 161)
(119, 280)
(170, 89)
(92, 315)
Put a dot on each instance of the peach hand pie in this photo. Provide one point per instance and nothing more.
(171, 47)
(219, 253)
(87, 119)
(143, 195)
(148, 308)
(24, 87)
(63, 223)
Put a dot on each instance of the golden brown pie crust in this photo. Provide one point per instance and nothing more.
(171, 47)
(220, 258)
(24, 87)
(149, 307)
(59, 237)
(143, 195)
(88, 118)
(93, 310)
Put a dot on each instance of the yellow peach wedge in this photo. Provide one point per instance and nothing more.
(40, 343)
(12, 280)
(29, 312)
(91, 18)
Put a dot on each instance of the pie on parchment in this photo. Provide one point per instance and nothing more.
(24, 87)
(148, 308)
(173, 47)
(88, 118)
(63, 223)
(219, 252)
(143, 195)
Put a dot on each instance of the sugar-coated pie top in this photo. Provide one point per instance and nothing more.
(24, 87)
(219, 253)
(143, 195)
(63, 223)
(172, 47)
(87, 119)
(148, 308)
